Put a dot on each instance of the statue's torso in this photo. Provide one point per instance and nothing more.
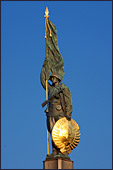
(55, 105)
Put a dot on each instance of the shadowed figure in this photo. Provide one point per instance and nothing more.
(60, 101)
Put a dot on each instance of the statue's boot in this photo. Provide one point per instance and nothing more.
(64, 155)
(54, 153)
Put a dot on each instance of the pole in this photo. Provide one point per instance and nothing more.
(46, 16)
(47, 110)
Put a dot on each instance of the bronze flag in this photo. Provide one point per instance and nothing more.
(53, 56)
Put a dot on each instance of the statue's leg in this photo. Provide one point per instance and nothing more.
(55, 149)
(50, 125)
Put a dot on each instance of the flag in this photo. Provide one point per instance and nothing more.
(53, 56)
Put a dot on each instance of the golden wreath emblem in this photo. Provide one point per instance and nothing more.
(66, 135)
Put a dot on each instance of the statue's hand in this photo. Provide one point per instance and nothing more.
(68, 117)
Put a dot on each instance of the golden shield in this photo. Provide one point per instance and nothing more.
(66, 135)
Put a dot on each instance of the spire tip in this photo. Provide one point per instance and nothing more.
(46, 13)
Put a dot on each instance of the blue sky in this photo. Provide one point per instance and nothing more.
(84, 32)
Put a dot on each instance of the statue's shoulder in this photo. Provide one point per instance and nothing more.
(64, 87)
(66, 91)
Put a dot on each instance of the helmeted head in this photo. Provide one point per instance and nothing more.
(55, 75)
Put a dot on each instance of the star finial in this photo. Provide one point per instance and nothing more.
(46, 13)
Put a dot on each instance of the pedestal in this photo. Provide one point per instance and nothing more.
(57, 163)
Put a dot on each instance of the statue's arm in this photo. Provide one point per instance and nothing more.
(68, 102)
(45, 74)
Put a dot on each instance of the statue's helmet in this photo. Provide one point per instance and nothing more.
(55, 75)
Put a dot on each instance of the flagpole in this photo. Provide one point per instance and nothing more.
(47, 12)
(47, 110)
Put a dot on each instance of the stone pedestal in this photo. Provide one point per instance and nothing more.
(57, 163)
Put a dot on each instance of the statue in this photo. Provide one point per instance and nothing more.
(60, 103)
(58, 95)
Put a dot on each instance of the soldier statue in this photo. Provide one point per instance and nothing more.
(59, 103)
(58, 97)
